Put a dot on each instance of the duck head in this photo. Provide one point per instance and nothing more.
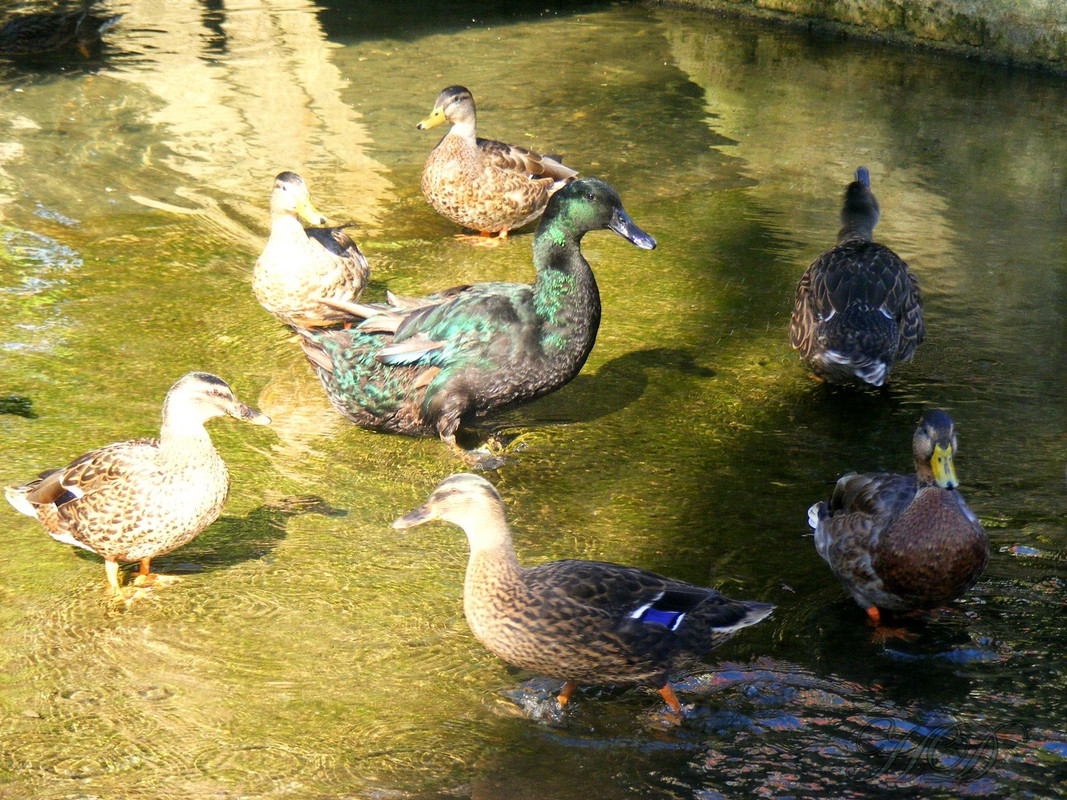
(466, 500)
(455, 104)
(933, 446)
(589, 204)
(290, 197)
(200, 396)
(860, 211)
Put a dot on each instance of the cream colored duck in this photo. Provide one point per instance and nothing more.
(300, 267)
(584, 622)
(135, 500)
(482, 184)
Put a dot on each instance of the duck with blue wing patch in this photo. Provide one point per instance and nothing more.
(858, 309)
(426, 366)
(583, 622)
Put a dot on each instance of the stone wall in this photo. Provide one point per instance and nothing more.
(1032, 33)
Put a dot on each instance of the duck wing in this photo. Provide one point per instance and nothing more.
(513, 158)
(437, 332)
(630, 599)
(90, 474)
(847, 527)
(860, 273)
(883, 495)
(336, 242)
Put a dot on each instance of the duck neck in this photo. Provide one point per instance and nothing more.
(924, 473)
(183, 432)
(566, 297)
(855, 229)
(492, 559)
(493, 585)
(287, 226)
(464, 129)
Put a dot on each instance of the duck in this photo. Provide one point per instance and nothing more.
(858, 310)
(903, 543)
(482, 184)
(425, 366)
(300, 267)
(583, 622)
(138, 499)
(54, 31)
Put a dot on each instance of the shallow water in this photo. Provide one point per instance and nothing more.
(310, 650)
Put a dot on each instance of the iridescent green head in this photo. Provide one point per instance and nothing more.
(589, 204)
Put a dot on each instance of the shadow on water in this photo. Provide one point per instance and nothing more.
(231, 541)
(18, 405)
(366, 19)
(614, 386)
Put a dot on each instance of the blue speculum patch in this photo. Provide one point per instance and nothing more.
(655, 616)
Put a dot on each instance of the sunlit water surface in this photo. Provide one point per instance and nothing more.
(311, 651)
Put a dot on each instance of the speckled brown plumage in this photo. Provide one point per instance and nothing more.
(858, 310)
(482, 184)
(904, 542)
(138, 499)
(301, 267)
(580, 621)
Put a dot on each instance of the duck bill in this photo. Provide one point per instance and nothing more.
(415, 517)
(437, 116)
(624, 226)
(247, 414)
(944, 471)
(309, 213)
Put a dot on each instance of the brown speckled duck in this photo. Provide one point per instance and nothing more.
(482, 184)
(301, 267)
(903, 542)
(580, 621)
(858, 310)
(134, 500)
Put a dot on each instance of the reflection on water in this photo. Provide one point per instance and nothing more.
(310, 650)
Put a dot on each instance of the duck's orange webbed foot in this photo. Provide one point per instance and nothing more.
(882, 633)
(565, 693)
(484, 238)
(671, 699)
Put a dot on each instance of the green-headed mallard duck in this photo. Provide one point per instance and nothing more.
(584, 622)
(426, 366)
(903, 542)
(53, 31)
(301, 267)
(134, 500)
(858, 311)
(481, 184)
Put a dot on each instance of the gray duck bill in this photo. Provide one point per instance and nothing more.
(624, 226)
